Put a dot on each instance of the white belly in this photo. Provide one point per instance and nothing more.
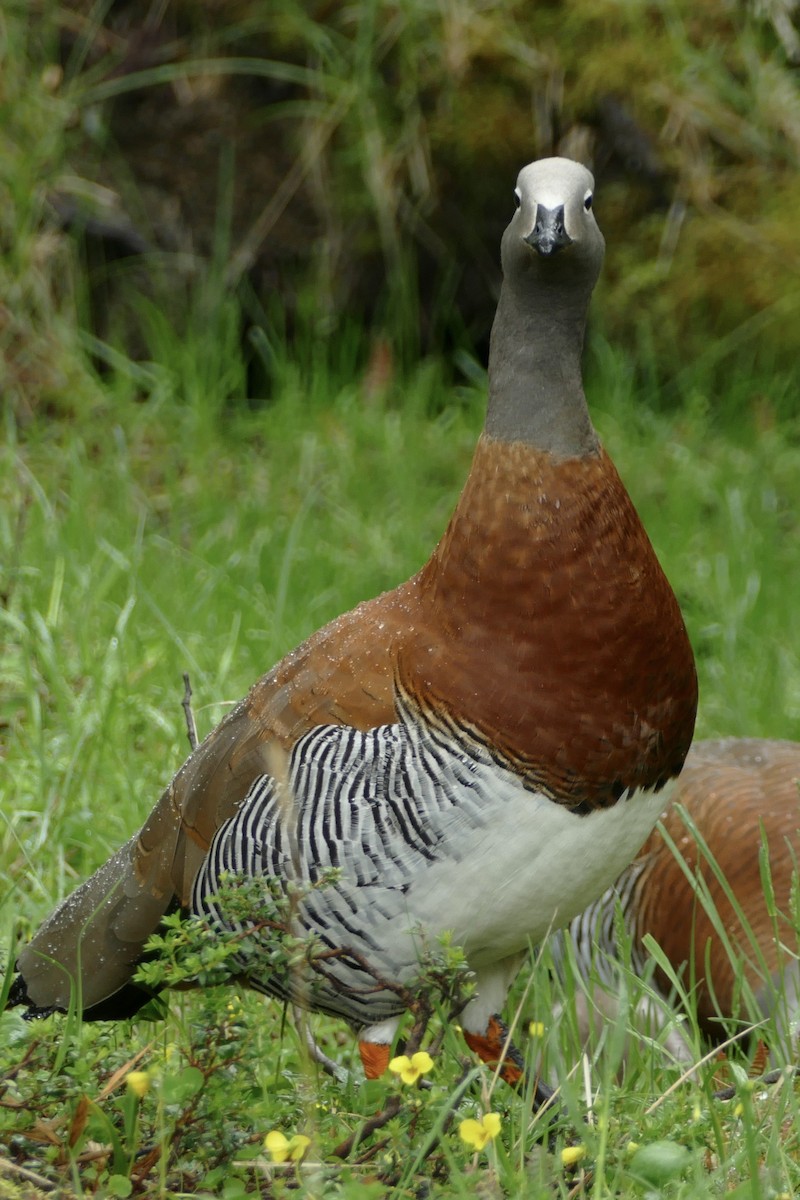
(532, 869)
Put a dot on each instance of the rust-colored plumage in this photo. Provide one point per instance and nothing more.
(704, 902)
(732, 790)
(578, 716)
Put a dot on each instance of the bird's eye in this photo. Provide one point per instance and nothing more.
(517, 197)
(587, 201)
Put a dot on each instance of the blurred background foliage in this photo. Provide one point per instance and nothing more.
(337, 165)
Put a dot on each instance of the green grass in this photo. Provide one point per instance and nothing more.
(166, 532)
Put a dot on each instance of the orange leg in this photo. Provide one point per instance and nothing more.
(374, 1058)
(489, 1047)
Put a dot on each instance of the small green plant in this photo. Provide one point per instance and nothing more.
(256, 936)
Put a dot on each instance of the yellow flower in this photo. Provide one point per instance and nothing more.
(138, 1082)
(410, 1069)
(478, 1133)
(536, 1029)
(282, 1149)
(572, 1154)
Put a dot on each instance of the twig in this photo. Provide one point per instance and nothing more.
(186, 705)
(318, 1055)
(728, 1093)
(696, 1066)
(421, 1011)
(393, 1105)
(371, 1153)
(7, 1167)
(456, 1096)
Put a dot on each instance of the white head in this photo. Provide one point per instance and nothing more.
(555, 216)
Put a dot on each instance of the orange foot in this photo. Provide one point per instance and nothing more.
(490, 1046)
(374, 1058)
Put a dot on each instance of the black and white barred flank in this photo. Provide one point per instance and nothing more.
(381, 807)
(428, 833)
(594, 933)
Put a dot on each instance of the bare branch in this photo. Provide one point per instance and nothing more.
(368, 1127)
(186, 705)
(7, 1167)
(318, 1055)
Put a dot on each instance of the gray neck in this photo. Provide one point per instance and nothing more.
(535, 387)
